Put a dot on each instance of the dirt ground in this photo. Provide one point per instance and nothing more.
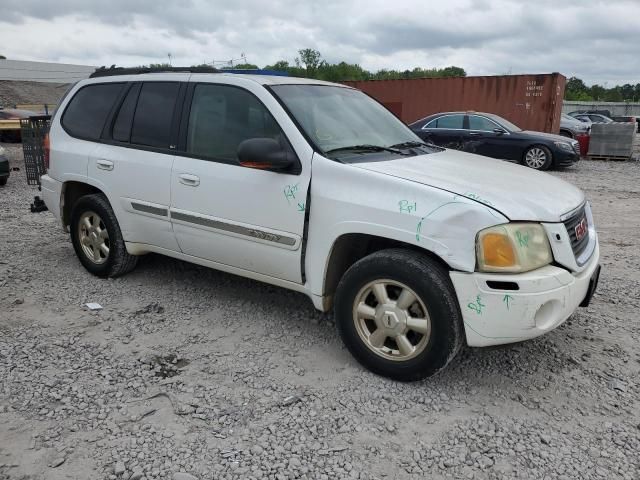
(191, 370)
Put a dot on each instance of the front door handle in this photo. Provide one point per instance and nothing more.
(103, 164)
(189, 180)
(474, 134)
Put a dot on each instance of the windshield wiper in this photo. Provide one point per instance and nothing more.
(371, 148)
(412, 144)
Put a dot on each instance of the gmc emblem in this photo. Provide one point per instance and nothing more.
(581, 229)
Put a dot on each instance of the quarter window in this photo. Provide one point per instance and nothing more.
(222, 117)
(154, 114)
(448, 121)
(87, 111)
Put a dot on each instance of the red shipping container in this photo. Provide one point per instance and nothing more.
(533, 102)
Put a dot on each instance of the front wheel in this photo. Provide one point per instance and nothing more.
(97, 238)
(397, 313)
(538, 157)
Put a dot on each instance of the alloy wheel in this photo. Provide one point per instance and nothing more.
(535, 158)
(391, 320)
(94, 237)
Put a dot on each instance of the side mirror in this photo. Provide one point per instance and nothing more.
(264, 154)
(499, 131)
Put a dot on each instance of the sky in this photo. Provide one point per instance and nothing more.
(597, 41)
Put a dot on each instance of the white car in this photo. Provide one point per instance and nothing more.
(316, 187)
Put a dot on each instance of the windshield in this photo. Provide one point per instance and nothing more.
(337, 119)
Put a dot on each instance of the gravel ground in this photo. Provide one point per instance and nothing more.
(191, 370)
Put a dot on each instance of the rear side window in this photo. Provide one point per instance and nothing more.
(154, 113)
(222, 117)
(87, 111)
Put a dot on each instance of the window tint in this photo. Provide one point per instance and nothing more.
(222, 117)
(154, 113)
(481, 123)
(122, 125)
(87, 111)
(448, 121)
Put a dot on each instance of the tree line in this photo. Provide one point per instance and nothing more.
(310, 64)
(576, 89)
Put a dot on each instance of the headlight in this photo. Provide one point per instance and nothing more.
(564, 146)
(513, 248)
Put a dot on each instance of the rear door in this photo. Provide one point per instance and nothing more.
(135, 158)
(237, 216)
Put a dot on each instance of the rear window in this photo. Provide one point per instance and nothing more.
(154, 114)
(87, 111)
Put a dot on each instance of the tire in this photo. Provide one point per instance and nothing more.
(3, 181)
(440, 338)
(98, 212)
(537, 157)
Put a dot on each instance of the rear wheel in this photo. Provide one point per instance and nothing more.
(397, 313)
(97, 238)
(538, 157)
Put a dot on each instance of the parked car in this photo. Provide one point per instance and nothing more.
(493, 136)
(591, 117)
(316, 187)
(572, 127)
(10, 123)
(5, 171)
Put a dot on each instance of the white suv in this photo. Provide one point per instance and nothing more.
(315, 187)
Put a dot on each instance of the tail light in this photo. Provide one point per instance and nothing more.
(47, 152)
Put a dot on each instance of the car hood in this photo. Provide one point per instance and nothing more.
(547, 136)
(517, 192)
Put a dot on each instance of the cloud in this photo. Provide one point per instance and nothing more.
(594, 40)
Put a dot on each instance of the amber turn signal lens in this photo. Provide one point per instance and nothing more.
(497, 250)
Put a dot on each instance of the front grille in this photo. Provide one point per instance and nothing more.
(577, 246)
(576, 147)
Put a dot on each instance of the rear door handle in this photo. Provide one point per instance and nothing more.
(189, 180)
(103, 164)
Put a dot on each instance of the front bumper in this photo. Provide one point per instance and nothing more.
(545, 298)
(564, 158)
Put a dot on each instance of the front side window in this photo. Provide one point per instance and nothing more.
(222, 117)
(454, 122)
(336, 118)
(481, 124)
(87, 111)
(154, 114)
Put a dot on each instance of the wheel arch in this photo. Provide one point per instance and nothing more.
(72, 191)
(348, 248)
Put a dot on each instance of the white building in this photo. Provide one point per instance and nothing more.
(20, 70)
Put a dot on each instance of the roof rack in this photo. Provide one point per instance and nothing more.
(113, 70)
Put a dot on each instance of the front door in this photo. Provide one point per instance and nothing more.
(221, 211)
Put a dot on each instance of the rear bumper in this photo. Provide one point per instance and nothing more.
(545, 298)
(52, 195)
